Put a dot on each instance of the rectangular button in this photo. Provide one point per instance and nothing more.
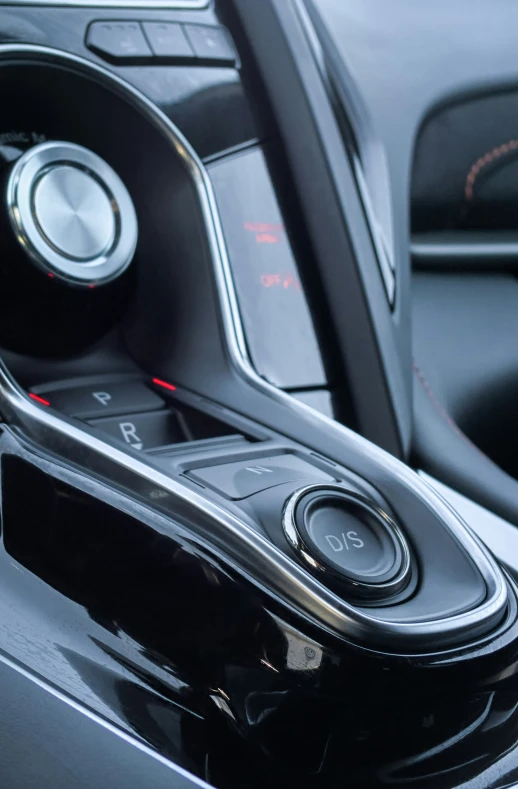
(118, 41)
(104, 399)
(246, 477)
(168, 40)
(143, 431)
(210, 43)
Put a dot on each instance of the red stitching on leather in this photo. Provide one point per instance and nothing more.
(441, 410)
(483, 162)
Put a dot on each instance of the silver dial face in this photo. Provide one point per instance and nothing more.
(72, 213)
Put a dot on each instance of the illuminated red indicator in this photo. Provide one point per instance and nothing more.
(284, 280)
(91, 286)
(269, 280)
(267, 238)
(263, 227)
(38, 399)
(290, 282)
(50, 275)
(158, 382)
(265, 232)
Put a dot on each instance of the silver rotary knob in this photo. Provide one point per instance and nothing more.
(72, 213)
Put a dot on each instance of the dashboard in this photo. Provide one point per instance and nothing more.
(259, 492)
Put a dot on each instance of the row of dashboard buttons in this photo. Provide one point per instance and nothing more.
(135, 42)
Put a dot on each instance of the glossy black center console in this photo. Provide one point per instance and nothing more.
(397, 584)
(222, 562)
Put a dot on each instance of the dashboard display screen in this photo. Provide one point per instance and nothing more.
(278, 325)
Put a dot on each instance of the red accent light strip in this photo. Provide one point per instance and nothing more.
(158, 382)
(38, 399)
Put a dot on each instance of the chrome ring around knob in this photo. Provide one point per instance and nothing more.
(72, 213)
(312, 557)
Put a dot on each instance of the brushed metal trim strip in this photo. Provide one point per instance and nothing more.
(435, 251)
(431, 251)
(271, 569)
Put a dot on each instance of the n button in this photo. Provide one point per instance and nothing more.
(246, 477)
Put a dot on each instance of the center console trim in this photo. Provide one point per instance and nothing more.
(271, 569)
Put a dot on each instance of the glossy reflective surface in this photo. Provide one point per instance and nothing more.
(134, 614)
(208, 104)
(126, 612)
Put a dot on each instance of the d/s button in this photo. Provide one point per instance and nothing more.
(350, 537)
